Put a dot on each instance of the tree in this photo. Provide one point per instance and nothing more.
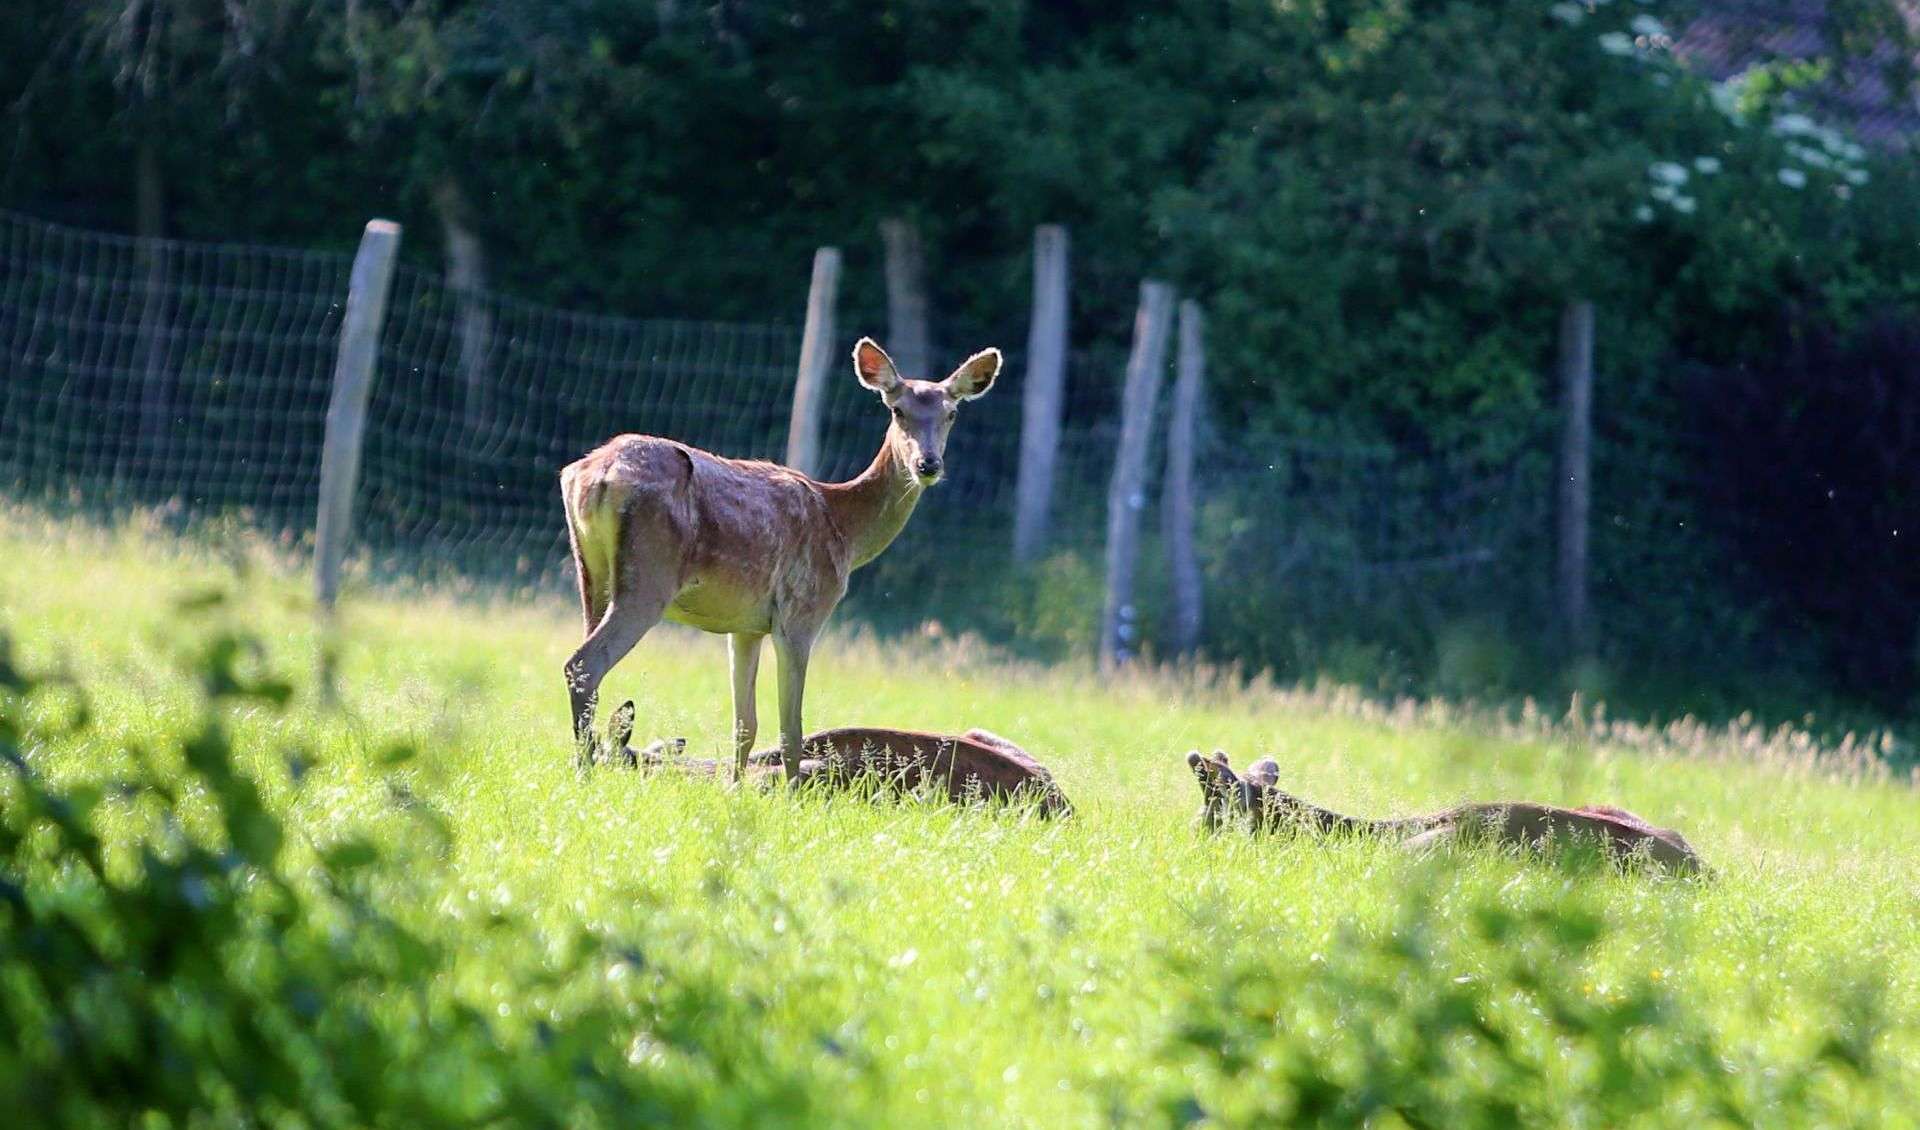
(173, 63)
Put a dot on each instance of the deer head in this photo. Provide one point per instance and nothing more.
(1227, 795)
(619, 733)
(923, 411)
(1219, 788)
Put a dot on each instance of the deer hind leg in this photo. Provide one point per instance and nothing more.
(644, 582)
(593, 590)
(592, 579)
(1433, 838)
(626, 621)
(743, 649)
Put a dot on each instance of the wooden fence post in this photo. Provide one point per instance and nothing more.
(1177, 502)
(347, 410)
(909, 342)
(816, 361)
(1576, 455)
(1044, 394)
(1126, 493)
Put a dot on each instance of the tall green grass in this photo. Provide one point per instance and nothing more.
(585, 947)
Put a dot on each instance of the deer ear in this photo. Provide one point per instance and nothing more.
(1211, 780)
(1217, 765)
(620, 727)
(874, 368)
(975, 375)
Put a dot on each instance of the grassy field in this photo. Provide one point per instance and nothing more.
(916, 964)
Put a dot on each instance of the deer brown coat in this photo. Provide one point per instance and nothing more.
(660, 530)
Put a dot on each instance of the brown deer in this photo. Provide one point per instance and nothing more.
(975, 766)
(1620, 834)
(747, 549)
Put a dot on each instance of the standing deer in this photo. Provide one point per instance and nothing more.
(661, 530)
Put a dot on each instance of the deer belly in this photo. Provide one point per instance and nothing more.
(712, 605)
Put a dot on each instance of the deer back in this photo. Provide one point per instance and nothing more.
(1621, 834)
(968, 767)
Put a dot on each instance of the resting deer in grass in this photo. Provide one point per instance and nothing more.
(975, 766)
(1620, 834)
(747, 549)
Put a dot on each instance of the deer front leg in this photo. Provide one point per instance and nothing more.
(1433, 838)
(743, 649)
(792, 650)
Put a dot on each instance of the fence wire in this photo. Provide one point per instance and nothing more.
(197, 376)
(156, 371)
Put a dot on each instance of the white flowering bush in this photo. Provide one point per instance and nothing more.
(1787, 148)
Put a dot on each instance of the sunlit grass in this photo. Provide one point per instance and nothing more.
(960, 967)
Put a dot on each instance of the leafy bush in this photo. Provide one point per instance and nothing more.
(1501, 1017)
(210, 967)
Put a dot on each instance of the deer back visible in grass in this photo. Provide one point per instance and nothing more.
(977, 766)
(1622, 836)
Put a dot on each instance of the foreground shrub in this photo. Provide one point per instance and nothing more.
(1498, 1017)
(205, 966)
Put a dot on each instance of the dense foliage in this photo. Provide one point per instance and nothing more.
(216, 967)
(1382, 202)
(1475, 1024)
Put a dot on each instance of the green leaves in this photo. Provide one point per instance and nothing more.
(1513, 1013)
(231, 668)
(216, 969)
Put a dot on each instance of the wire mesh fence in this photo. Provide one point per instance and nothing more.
(149, 371)
(467, 429)
(198, 375)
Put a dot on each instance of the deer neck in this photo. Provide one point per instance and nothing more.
(1321, 819)
(873, 507)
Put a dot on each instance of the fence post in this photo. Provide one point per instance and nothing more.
(1177, 503)
(816, 361)
(1044, 394)
(909, 342)
(347, 411)
(1576, 455)
(1126, 493)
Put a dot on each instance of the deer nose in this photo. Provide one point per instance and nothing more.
(929, 466)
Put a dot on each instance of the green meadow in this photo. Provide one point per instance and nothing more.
(431, 919)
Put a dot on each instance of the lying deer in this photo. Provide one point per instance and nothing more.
(661, 530)
(975, 766)
(1619, 833)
